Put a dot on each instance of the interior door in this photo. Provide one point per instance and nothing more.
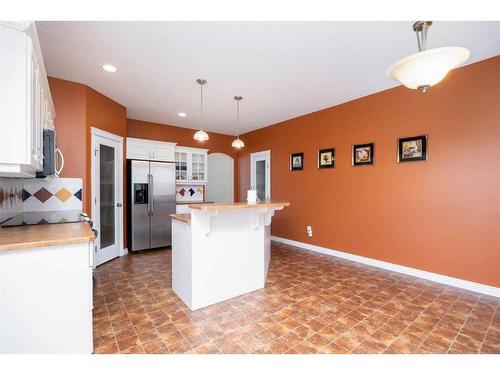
(260, 174)
(107, 207)
(162, 195)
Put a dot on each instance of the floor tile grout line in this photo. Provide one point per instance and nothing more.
(489, 326)
(462, 326)
(430, 332)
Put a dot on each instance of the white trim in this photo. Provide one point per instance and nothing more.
(442, 279)
(105, 134)
(123, 252)
(119, 198)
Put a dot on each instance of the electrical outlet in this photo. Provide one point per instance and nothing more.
(309, 231)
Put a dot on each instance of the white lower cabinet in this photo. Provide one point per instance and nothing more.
(46, 299)
(182, 209)
(26, 106)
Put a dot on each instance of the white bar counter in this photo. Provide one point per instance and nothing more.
(221, 250)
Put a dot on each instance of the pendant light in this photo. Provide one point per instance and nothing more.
(201, 135)
(426, 68)
(238, 143)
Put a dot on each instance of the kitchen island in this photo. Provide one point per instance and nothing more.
(221, 250)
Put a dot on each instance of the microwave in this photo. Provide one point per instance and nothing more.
(53, 159)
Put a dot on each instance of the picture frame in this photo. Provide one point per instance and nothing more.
(326, 158)
(297, 161)
(363, 154)
(412, 149)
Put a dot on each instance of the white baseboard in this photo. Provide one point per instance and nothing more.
(459, 283)
(123, 252)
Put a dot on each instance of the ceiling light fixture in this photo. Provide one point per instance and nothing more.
(201, 135)
(181, 114)
(426, 68)
(109, 68)
(238, 143)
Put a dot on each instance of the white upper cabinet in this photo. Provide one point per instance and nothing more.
(26, 106)
(191, 165)
(144, 149)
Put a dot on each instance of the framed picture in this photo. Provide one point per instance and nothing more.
(326, 158)
(297, 161)
(412, 149)
(363, 154)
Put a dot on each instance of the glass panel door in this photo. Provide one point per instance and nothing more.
(195, 167)
(260, 179)
(181, 164)
(260, 174)
(107, 195)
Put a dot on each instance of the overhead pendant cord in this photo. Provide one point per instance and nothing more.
(426, 68)
(201, 135)
(238, 143)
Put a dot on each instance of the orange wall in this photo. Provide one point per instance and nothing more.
(183, 137)
(442, 215)
(70, 104)
(78, 108)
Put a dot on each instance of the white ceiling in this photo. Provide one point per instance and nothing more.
(282, 69)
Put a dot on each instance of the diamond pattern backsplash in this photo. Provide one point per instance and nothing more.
(33, 195)
(190, 193)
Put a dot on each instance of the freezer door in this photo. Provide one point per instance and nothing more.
(162, 204)
(140, 205)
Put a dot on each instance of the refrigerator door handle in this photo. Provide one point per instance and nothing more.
(152, 196)
(149, 194)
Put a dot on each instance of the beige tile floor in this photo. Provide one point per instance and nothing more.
(312, 303)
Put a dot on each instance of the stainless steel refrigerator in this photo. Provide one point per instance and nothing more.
(151, 187)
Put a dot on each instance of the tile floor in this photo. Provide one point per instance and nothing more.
(312, 303)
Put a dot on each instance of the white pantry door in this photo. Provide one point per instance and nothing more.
(107, 194)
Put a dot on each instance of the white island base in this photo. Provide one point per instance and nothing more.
(221, 251)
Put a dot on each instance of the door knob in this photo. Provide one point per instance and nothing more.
(118, 205)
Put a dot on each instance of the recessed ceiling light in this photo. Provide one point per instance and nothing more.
(109, 68)
(181, 114)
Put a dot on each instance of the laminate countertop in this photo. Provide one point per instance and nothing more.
(239, 205)
(34, 236)
(185, 218)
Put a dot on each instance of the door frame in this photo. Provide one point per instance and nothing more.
(96, 132)
(256, 156)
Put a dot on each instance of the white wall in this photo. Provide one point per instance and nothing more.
(220, 184)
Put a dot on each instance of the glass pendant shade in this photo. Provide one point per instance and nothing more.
(201, 135)
(238, 143)
(424, 69)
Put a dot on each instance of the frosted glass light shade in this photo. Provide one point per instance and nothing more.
(201, 135)
(424, 69)
(238, 143)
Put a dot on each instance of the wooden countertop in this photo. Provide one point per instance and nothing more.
(185, 218)
(33, 236)
(193, 202)
(238, 205)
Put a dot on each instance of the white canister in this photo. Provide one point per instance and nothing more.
(252, 196)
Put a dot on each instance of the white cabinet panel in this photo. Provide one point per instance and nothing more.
(47, 306)
(143, 149)
(182, 209)
(26, 106)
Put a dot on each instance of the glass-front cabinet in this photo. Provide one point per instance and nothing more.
(181, 163)
(191, 165)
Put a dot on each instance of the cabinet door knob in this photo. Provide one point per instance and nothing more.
(119, 205)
